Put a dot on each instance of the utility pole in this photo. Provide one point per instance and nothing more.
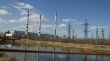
(55, 24)
(39, 31)
(27, 23)
(86, 29)
(69, 30)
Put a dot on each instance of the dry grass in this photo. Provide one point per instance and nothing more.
(83, 47)
(6, 58)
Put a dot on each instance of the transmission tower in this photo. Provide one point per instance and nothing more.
(76, 36)
(39, 31)
(73, 33)
(86, 29)
(109, 36)
(92, 36)
(97, 33)
(69, 30)
(102, 31)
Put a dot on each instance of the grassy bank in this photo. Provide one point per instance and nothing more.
(82, 47)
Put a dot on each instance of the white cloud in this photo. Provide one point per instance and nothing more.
(66, 20)
(24, 12)
(94, 27)
(2, 20)
(3, 12)
(73, 21)
(33, 17)
(22, 19)
(23, 6)
(46, 26)
(76, 21)
(62, 25)
(12, 21)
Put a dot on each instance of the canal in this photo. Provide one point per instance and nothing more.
(51, 57)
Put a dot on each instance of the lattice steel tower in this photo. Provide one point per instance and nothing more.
(86, 29)
(73, 34)
(97, 33)
(102, 31)
(69, 29)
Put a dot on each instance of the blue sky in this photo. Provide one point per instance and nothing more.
(13, 15)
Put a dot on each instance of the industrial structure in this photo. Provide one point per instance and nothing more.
(69, 29)
(27, 23)
(97, 33)
(102, 31)
(73, 34)
(86, 29)
(55, 24)
(39, 30)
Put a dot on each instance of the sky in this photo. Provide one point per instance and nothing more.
(97, 12)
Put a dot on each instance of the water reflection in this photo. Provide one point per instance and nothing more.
(37, 54)
(68, 56)
(53, 57)
(85, 58)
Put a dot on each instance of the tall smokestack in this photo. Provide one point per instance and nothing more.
(55, 24)
(27, 23)
(39, 31)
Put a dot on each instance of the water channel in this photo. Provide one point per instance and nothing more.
(52, 57)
